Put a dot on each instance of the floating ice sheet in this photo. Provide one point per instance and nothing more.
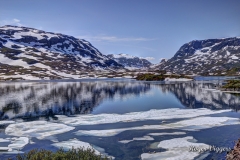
(16, 144)
(38, 129)
(4, 140)
(6, 122)
(166, 133)
(162, 114)
(177, 148)
(113, 132)
(203, 123)
(100, 133)
(75, 143)
(145, 138)
(193, 124)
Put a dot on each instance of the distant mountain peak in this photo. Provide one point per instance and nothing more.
(131, 62)
(122, 55)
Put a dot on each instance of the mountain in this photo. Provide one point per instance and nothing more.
(130, 62)
(156, 66)
(28, 53)
(211, 56)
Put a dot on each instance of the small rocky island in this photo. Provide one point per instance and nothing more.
(162, 77)
(232, 85)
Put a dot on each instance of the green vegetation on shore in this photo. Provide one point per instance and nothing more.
(232, 85)
(160, 77)
(233, 71)
(72, 154)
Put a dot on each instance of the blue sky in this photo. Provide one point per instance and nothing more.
(144, 28)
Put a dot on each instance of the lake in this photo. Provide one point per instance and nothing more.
(120, 118)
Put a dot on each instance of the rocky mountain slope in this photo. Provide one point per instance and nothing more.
(27, 53)
(130, 62)
(211, 56)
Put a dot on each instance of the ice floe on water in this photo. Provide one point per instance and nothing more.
(145, 138)
(38, 129)
(162, 114)
(203, 123)
(16, 144)
(113, 132)
(177, 148)
(4, 140)
(6, 122)
(100, 133)
(191, 120)
(192, 124)
(75, 143)
(166, 133)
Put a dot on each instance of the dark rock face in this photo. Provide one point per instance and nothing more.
(27, 39)
(234, 154)
(163, 60)
(201, 56)
(130, 61)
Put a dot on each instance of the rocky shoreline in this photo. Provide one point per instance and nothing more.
(234, 154)
(162, 77)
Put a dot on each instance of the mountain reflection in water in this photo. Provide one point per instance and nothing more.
(36, 99)
(68, 98)
(202, 95)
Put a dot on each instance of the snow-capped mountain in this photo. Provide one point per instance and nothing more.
(214, 56)
(163, 60)
(130, 62)
(27, 53)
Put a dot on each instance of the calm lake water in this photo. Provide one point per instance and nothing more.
(122, 118)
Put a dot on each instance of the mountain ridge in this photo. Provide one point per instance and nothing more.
(28, 53)
(212, 56)
(58, 55)
(131, 62)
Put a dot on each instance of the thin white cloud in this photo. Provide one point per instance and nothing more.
(15, 22)
(114, 38)
(148, 58)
